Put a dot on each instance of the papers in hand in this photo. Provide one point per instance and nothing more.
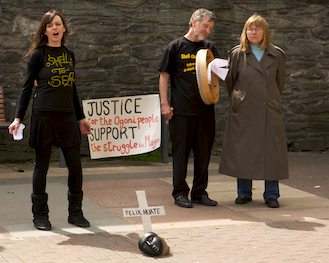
(19, 135)
(219, 67)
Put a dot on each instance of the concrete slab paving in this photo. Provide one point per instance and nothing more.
(298, 231)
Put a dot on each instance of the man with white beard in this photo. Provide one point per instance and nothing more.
(191, 121)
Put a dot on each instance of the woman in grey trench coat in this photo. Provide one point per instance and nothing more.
(254, 144)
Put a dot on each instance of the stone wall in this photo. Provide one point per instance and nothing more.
(118, 46)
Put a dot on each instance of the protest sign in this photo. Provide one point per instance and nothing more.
(123, 126)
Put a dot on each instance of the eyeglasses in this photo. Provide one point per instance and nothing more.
(256, 30)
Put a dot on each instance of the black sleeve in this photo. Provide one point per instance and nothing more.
(166, 64)
(76, 101)
(77, 105)
(33, 66)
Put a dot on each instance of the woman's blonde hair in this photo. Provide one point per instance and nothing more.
(257, 21)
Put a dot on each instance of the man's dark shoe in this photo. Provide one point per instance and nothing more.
(272, 203)
(205, 200)
(183, 201)
(241, 200)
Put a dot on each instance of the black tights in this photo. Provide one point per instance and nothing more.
(73, 162)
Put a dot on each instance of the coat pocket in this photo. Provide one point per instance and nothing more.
(238, 99)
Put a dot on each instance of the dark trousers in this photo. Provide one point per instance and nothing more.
(194, 133)
(73, 162)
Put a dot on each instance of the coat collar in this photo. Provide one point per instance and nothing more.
(268, 58)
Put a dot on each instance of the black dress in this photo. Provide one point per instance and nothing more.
(56, 107)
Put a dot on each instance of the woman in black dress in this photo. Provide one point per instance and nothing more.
(56, 116)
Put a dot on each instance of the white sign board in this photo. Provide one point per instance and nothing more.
(123, 126)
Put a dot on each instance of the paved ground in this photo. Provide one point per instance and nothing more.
(296, 232)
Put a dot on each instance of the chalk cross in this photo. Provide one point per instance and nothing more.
(144, 211)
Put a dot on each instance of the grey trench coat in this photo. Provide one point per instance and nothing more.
(254, 145)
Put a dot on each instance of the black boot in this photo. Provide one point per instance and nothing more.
(40, 212)
(75, 213)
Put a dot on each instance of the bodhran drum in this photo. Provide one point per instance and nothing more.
(208, 92)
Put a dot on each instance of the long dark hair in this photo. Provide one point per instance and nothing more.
(40, 39)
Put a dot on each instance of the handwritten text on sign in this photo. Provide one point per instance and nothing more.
(144, 211)
(150, 211)
(123, 126)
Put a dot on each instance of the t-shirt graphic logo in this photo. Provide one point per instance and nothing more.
(61, 68)
(189, 66)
